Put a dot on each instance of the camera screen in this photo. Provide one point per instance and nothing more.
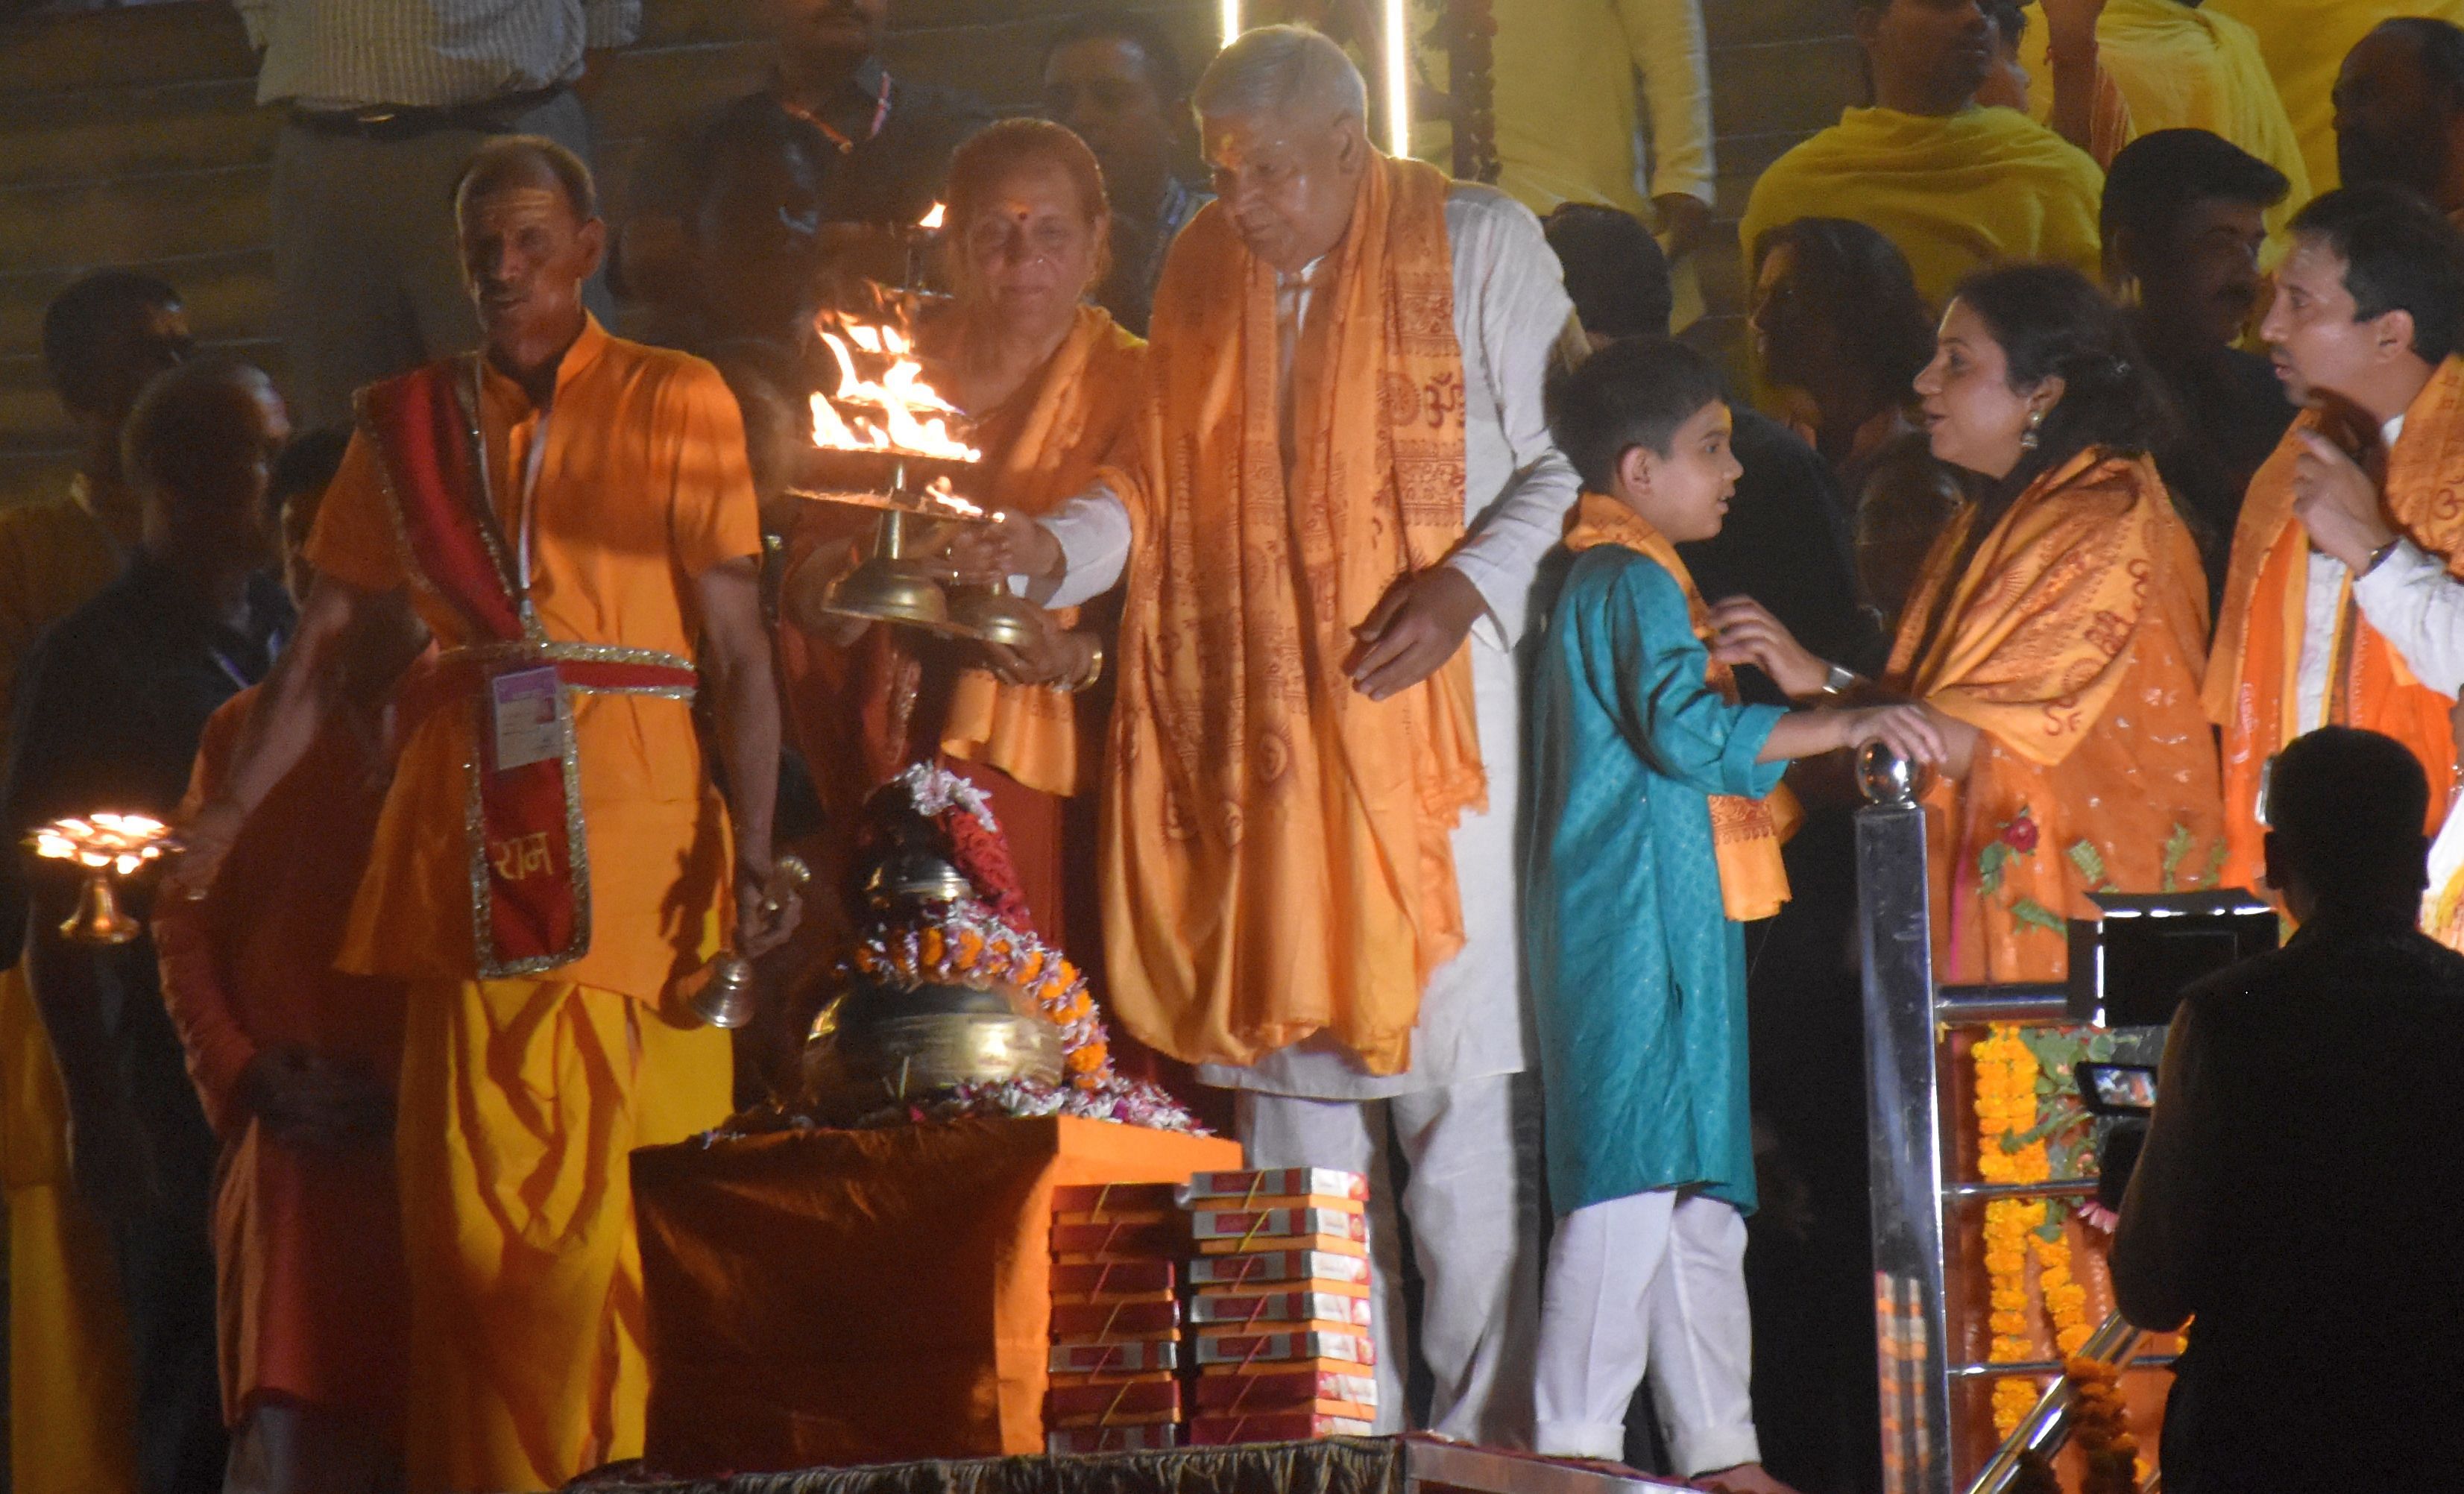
(2119, 1087)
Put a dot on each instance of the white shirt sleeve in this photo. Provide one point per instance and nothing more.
(611, 23)
(2412, 600)
(1667, 43)
(1094, 532)
(1522, 309)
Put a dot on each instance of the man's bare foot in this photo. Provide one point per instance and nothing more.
(1746, 1478)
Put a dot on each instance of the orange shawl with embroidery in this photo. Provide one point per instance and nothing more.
(1277, 847)
(2070, 642)
(1746, 833)
(1045, 451)
(2252, 689)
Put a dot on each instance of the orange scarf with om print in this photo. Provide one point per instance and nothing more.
(1746, 833)
(2252, 686)
(1277, 847)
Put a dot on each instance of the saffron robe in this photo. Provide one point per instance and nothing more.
(1642, 766)
(1955, 192)
(2251, 687)
(2071, 641)
(2182, 67)
(307, 1238)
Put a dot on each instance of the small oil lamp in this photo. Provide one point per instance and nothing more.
(111, 848)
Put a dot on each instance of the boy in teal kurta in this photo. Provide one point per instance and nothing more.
(1650, 839)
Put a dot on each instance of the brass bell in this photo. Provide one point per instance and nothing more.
(991, 615)
(721, 993)
(889, 587)
(98, 918)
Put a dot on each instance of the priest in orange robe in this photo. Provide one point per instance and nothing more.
(1341, 489)
(571, 517)
(2343, 604)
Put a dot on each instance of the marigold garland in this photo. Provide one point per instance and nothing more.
(2006, 1110)
(970, 944)
(2101, 1428)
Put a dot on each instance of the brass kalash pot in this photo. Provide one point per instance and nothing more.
(880, 1041)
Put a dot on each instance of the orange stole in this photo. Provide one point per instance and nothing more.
(1050, 451)
(1276, 847)
(2251, 687)
(2072, 642)
(1746, 833)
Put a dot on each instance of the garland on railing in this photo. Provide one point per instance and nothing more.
(2006, 1109)
(2101, 1428)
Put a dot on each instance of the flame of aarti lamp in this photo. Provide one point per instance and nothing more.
(111, 848)
(885, 440)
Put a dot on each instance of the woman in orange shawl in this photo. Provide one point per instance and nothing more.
(2057, 628)
(1049, 383)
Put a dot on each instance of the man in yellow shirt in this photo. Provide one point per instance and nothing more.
(2175, 66)
(571, 517)
(2400, 110)
(1954, 186)
(2305, 42)
(103, 338)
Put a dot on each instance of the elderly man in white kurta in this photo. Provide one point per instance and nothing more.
(1330, 527)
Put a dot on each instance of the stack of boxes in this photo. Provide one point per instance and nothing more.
(1118, 1360)
(1281, 1307)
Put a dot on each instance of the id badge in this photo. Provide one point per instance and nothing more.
(524, 716)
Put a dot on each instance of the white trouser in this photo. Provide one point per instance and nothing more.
(1652, 1279)
(1467, 1233)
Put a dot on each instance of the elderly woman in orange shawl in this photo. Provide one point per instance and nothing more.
(2056, 628)
(1049, 383)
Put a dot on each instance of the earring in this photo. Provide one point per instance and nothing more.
(2028, 437)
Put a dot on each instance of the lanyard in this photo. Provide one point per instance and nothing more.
(526, 518)
(839, 137)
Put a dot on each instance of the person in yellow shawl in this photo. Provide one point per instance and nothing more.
(2306, 43)
(2400, 110)
(1650, 846)
(1954, 186)
(2341, 605)
(1340, 493)
(1050, 382)
(2057, 630)
(2174, 66)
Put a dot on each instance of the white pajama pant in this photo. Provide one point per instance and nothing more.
(1467, 1232)
(1652, 1281)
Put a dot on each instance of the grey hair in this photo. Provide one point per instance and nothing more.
(1281, 70)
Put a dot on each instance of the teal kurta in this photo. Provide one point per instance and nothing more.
(1637, 975)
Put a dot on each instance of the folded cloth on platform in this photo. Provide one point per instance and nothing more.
(1161, 1436)
(1115, 1358)
(1319, 1269)
(1281, 1347)
(1076, 1243)
(1067, 1381)
(1097, 1298)
(1283, 1388)
(1268, 1244)
(1104, 1281)
(1278, 1306)
(1115, 1322)
(1347, 1222)
(1116, 1216)
(1143, 1400)
(1305, 1326)
(1274, 1426)
(1103, 1197)
(1275, 1181)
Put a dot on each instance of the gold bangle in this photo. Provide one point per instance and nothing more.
(1093, 670)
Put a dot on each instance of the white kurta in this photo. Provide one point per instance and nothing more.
(1510, 308)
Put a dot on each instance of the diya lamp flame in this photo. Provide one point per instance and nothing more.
(898, 412)
(934, 217)
(109, 845)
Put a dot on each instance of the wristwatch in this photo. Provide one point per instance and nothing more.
(1838, 681)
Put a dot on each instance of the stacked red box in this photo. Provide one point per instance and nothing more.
(1120, 1357)
(1280, 1314)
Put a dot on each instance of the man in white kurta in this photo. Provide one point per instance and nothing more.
(1316, 1101)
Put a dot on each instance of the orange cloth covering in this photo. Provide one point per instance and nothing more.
(1746, 833)
(520, 1100)
(865, 1296)
(307, 1238)
(642, 487)
(1041, 446)
(2252, 689)
(1276, 854)
(2072, 644)
(69, 1376)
